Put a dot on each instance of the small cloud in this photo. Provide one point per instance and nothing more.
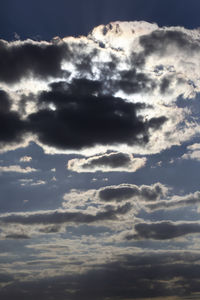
(31, 182)
(16, 36)
(94, 179)
(25, 159)
(193, 152)
(17, 169)
(38, 182)
(108, 162)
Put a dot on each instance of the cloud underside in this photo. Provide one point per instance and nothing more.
(145, 275)
(74, 94)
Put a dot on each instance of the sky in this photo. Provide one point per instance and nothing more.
(99, 150)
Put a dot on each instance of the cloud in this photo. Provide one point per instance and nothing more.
(162, 42)
(83, 120)
(63, 216)
(16, 236)
(40, 59)
(108, 162)
(123, 192)
(175, 202)
(17, 169)
(11, 126)
(163, 230)
(25, 158)
(155, 274)
(193, 152)
(97, 94)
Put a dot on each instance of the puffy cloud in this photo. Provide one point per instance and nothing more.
(108, 162)
(193, 152)
(129, 191)
(163, 230)
(119, 98)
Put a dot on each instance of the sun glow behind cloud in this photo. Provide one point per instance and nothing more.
(111, 106)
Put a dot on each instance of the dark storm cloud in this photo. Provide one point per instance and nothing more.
(163, 230)
(83, 120)
(159, 41)
(11, 127)
(143, 275)
(59, 217)
(191, 199)
(22, 59)
(128, 191)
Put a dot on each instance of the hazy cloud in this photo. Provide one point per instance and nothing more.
(17, 169)
(175, 202)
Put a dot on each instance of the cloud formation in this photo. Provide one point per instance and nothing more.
(175, 202)
(167, 274)
(108, 162)
(63, 216)
(95, 93)
(163, 230)
(193, 152)
(130, 191)
(40, 59)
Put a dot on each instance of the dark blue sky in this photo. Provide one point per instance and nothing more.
(48, 18)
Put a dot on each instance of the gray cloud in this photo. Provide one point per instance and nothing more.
(159, 42)
(84, 120)
(60, 216)
(176, 201)
(128, 191)
(108, 162)
(163, 230)
(140, 276)
(17, 236)
(41, 59)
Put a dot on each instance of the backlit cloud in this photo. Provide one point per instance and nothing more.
(112, 162)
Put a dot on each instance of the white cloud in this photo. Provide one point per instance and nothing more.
(17, 169)
(25, 158)
(193, 152)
